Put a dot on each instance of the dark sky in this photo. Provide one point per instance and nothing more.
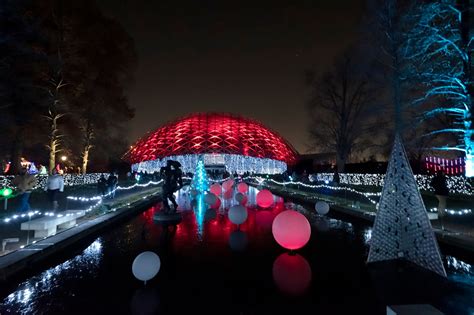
(227, 56)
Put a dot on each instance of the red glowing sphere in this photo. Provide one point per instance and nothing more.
(216, 189)
(242, 188)
(227, 185)
(264, 198)
(291, 229)
(292, 274)
(228, 194)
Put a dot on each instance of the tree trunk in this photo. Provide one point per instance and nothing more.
(16, 153)
(52, 156)
(88, 130)
(340, 163)
(54, 139)
(85, 159)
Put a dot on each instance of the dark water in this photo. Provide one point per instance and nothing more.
(210, 267)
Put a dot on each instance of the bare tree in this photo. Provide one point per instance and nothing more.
(340, 109)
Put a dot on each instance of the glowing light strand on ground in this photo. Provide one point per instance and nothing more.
(337, 188)
(367, 195)
(456, 184)
(98, 198)
(69, 179)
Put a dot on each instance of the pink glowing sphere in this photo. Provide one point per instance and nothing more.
(216, 189)
(228, 194)
(264, 198)
(227, 185)
(217, 204)
(291, 229)
(292, 274)
(242, 187)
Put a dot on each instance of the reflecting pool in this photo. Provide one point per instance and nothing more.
(210, 266)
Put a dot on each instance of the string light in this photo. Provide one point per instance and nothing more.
(367, 195)
(69, 180)
(233, 163)
(199, 181)
(456, 184)
(98, 198)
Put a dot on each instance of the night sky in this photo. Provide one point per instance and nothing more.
(226, 56)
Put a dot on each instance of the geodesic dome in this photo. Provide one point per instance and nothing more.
(235, 142)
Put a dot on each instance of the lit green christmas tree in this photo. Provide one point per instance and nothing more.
(200, 182)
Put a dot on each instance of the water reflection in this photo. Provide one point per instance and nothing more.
(238, 241)
(292, 274)
(206, 253)
(21, 301)
(145, 301)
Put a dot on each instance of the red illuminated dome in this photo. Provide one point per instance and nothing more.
(212, 133)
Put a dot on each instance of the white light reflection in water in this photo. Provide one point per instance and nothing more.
(22, 300)
(459, 266)
(367, 235)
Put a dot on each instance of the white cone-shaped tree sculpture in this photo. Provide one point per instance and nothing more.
(402, 229)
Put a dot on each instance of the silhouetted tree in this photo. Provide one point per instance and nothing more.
(340, 109)
(22, 63)
(71, 65)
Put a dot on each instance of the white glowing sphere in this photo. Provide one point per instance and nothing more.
(237, 214)
(210, 199)
(322, 207)
(146, 266)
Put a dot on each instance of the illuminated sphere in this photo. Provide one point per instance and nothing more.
(242, 187)
(216, 189)
(239, 197)
(264, 198)
(227, 185)
(292, 274)
(322, 207)
(237, 214)
(217, 204)
(146, 266)
(291, 229)
(210, 199)
(228, 194)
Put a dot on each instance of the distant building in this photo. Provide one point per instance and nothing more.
(223, 141)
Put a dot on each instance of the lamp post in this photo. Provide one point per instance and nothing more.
(6, 194)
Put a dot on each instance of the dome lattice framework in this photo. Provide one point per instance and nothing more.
(236, 139)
